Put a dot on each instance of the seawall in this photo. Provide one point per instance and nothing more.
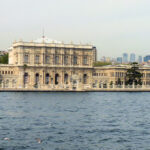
(85, 90)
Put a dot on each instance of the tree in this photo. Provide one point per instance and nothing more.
(25, 66)
(133, 76)
(99, 63)
(4, 59)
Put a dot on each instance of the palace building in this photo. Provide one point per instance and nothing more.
(48, 64)
(52, 65)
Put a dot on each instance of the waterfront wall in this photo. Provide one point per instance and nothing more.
(86, 88)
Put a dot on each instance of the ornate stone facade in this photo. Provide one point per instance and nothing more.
(53, 65)
(49, 65)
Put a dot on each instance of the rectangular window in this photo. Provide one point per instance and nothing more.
(26, 58)
(37, 59)
(56, 60)
(66, 60)
(75, 60)
(47, 59)
(85, 60)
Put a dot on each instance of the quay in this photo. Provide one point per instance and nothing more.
(119, 89)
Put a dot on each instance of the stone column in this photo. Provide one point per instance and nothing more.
(133, 85)
(102, 86)
(32, 78)
(53, 59)
(43, 77)
(21, 79)
(3, 84)
(62, 78)
(123, 86)
(113, 85)
(53, 77)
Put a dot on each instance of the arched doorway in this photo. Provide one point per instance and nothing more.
(105, 84)
(100, 84)
(66, 78)
(47, 78)
(26, 78)
(56, 78)
(36, 79)
(85, 79)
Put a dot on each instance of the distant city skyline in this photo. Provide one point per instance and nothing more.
(113, 26)
(126, 58)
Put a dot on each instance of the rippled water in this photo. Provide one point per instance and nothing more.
(75, 121)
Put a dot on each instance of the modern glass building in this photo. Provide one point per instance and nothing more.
(147, 58)
(132, 57)
(125, 58)
(140, 59)
(119, 60)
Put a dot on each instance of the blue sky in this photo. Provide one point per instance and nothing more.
(113, 26)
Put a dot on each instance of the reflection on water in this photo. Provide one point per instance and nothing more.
(74, 121)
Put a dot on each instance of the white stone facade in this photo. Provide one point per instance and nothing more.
(51, 65)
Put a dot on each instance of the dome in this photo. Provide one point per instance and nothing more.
(9, 49)
(46, 40)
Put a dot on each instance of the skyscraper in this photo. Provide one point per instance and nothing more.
(125, 58)
(119, 60)
(147, 58)
(140, 59)
(132, 57)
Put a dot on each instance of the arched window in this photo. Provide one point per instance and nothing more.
(100, 84)
(105, 84)
(36, 78)
(26, 78)
(47, 78)
(7, 84)
(66, 78)
(13, 83)
(56, 79)
(85, 79)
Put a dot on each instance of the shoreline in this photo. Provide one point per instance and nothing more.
(64, 90)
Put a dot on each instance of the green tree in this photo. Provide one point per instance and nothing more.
(133, 76)
(99, 63)
(4, 59)
(25, 66)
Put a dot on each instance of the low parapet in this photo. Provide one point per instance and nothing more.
(59, 45)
